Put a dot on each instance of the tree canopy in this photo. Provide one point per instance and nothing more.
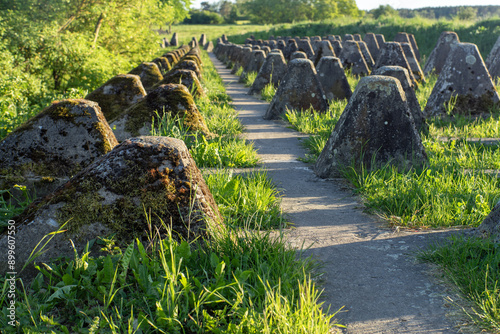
(279, 11)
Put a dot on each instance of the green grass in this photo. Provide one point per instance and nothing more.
(473, 266)
(249, 195)
(234, 282)
(268, 92)
(249, 79)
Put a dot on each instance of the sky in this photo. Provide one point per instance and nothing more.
(371, 4)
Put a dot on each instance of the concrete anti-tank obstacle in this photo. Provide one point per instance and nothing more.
(163, 64)
(366, 54)
(256, 62)
(187, 64)
(117, 94)
(298, 55)
(173, 99)
(438, 55)
(392, 54)
(187, 78)
(403, 37)
(352, 58)
(272, 71)
(412, 61)
(153, 176)
(305, 46)
(300, 89)
(402, 75)
(464, 84)
(380, 40)
(325, 49)
(149, 73)
(175, 40)
(371, 42)
(291, 47)
(376, 128)
(54, 145)
(493, 61)
(332, 78)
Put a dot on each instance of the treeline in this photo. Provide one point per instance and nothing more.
(271, 11)
(460, 12)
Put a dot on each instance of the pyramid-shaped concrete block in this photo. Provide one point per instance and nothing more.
(493, 61)
(272, 71)
(392, 54)
(300, 89)
(352, 58)
(163, 64)
(187, 78)
(332, 78)
(412, 61)
(438, 55)
(464, 85)
(325, 49)
(371, 42)
(149, 73)
(117, 94)
(172, 99)
(60, 141)
(142, 186)
(402, 75)
(258, 58)
(375, 129)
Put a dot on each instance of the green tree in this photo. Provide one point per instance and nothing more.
(467, 13)
(382, 10)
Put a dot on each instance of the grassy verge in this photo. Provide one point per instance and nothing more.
(473, 265)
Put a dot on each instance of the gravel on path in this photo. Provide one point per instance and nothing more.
(369, 269)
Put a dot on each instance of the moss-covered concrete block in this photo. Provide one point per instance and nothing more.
(187, 78)
(300, 89)
(142, 186)
(163, 64)
(149, 73)
(54, 145)
(188, 65)
(117, 94)
(376, 128)
(173, 99)
(464, 85)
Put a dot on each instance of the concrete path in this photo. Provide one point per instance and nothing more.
(368, 268)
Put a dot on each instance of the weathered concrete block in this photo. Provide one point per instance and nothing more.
(299, 89)
(272, 71)
(332, 78)
(375, 129)
(372, 44)
(352, 58)
(163, 64)
(392, 54)
(113, 195)
(438, 55)
(187, 64)
(175, 40)
(493, 61)
(51, 147)
(187, 78)
(298, 55)
(402, 75)
(325, 49)
(173, 99)
(149, 73)
(412, 61)
(117, 94)
(464, 84)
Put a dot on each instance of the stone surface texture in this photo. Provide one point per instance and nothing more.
(54, 145)
(333, 79)
(376, 128)
(464, 84)
(299, 89)
(438, 55)
(153, 176)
